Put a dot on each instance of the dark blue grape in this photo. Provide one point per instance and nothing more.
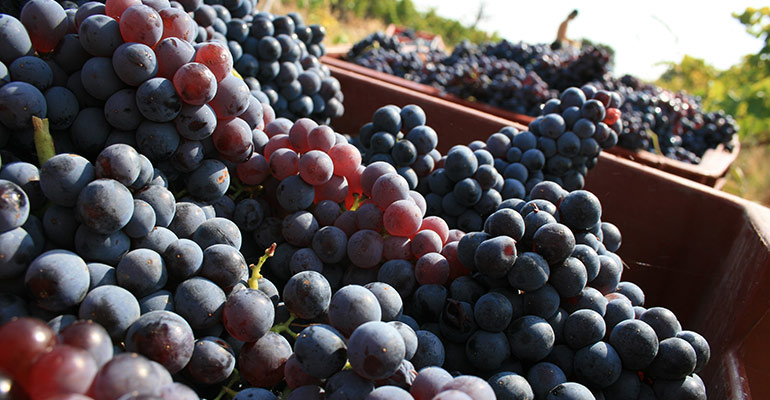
(307, 294)
(94, 246)
(112, 307)
(19, 102)
(15, 39)
(157, 141)
(375, 350)
(223, 264)
(212, 360)
(162, 336)
(635, 342)
(210, 181)
(157, 100)
(99, 35)
(141, 271)
(531, 338)
(200, 301)
(57, 280)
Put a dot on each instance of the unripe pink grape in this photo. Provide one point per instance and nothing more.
(284, 162)
(141, 24)
(254, 170)
(402, 218)
(315, 167)
(298, 134)
(217, 58)
(425, 242)
(346, 158)
(276, 142)
(321, 138)
(336, 189)
(431, 268)
(195, 84)
(176, 23)
(388, 189)
(438, 225)
(115, 8)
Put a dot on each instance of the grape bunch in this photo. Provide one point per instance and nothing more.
(682, 130)
(278, 57)
(400, 137)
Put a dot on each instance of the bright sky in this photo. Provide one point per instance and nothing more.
(643, 33)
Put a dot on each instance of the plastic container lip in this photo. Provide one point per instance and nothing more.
(711, 171)
(702, 253)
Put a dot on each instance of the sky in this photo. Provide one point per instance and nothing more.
(644, 34)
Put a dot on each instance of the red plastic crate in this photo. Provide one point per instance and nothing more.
(711, 171)
(702, 253)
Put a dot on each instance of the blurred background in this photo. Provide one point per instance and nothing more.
(718, 52)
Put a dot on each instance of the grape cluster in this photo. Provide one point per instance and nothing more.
(682, 130)
(278, 57)
(139, 239)
(400, 137)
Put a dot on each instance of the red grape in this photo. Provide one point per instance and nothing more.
(336, 189)
(402, 218)
(425, 242)
(268, 114)
(172, 53)
(389, 188)
(456, 268)
(279, 126)
(371, 173)
(354, 180)
(232, 138)
(454, 235)
(176, 23)
(346, 158)
(315, 167)
(115, 8)
(431, 268)
(46, 23)
(64, 369)
(299, 134)
(141, 24)
(23, 340)
(195, 84)
(254, 171)
(276, 142)
(438, 225)
(217, 57)
(321, 138)
(369, 216)
(283, 163)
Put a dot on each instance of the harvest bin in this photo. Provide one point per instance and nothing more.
(700, 252)
(711, 171)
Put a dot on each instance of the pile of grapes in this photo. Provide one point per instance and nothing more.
(519, 77)
(164, 234)
(681, 129)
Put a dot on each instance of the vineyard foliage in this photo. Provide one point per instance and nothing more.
(743, 90)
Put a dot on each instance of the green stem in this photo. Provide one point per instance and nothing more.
(226, 389)
(256, 270)
(285, 326)
(43, 140)
(357, 202)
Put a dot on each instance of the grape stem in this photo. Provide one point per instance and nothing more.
(226, 390)
(256, 269)
(43, 140)
(285, 327)
(356, 202)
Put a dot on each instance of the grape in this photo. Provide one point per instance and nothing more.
(46, 23)
(15, 41)
(19, 102)
(217, 231)
(100, 35)
(115, 8)
(100, 79)
(315, 167)
(27, 338)
(231, 99)
(126, 373)
(223, 264)
(233, 139)
(352, 306)
(195, 122)
(112, 307)
(195, 83)
(346, 159)
(91, 337)
(134, 63)
(253, 171)
(378, 341)
(105, 206)
(157, 100)
(162, 202)
(212, 360)
(210, 181)
(141, 271)
(184, 259)
(161, 300)
(217, 58)
(402, 218)
(64, 369)
(307, 294)
(32, 70)
(365, 248)
(157, 332)
(142, 24)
